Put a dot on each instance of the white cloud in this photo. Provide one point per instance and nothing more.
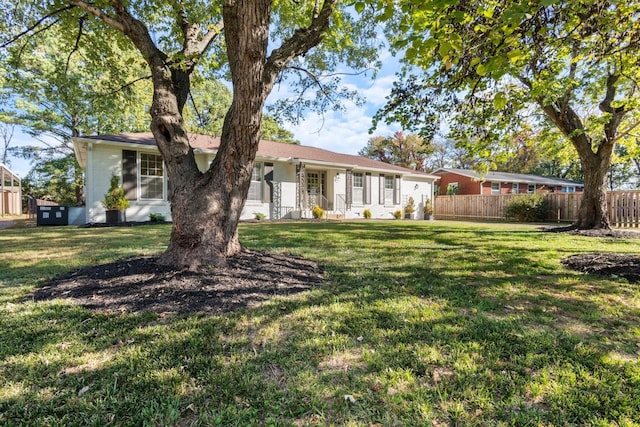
(343, 132)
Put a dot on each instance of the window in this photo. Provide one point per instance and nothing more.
(358, 188)
(151, 177)
(388, 189)
(255, 189)
(516, 188)
(495, 188)
(531, 188)
(568, 189)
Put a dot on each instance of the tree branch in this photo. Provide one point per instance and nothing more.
(131, 83)
(605, 105)
(39, 22)
(209, 37)
(302, 40)
(77, 44)
(98, 13)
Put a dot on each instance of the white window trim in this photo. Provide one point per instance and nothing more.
(495, 191)
(261, 174)
(139, 178)
(358, 203)
(389, 203)
(531, 191)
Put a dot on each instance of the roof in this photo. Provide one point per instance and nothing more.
(268, 150)
(509, 177)
(8, 173)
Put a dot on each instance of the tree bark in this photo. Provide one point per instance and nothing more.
(206, 207)
(593, 212)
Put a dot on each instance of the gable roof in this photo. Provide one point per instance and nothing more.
(266, 150)
(509, 177)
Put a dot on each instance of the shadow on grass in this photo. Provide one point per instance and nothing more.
(453, 335)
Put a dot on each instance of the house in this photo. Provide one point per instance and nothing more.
(10, 192)
(466, 182)
(288, 180)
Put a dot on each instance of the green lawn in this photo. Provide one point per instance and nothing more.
(422, 323)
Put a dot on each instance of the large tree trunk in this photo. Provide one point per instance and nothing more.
(206, 207)
(593, 208)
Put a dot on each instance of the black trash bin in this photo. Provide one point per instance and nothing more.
(53, 215)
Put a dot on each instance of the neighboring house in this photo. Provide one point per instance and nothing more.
(466, 182)
(288, 180)
(10, 192)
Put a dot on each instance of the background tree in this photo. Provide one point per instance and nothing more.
(53, 179)
(6, 136)
(408, 151)
(174, 38)
(210, 99)
(54, 97)
(576, 62)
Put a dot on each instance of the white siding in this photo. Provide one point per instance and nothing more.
(103, 160)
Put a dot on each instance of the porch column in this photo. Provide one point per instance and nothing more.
(301, 173)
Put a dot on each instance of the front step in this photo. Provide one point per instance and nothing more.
(333, 215)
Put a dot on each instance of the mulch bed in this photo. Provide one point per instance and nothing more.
(606, 264)
(603, 264)
(140, 284)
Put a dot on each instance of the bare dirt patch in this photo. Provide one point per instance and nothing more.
(140, 284)
(606, 264)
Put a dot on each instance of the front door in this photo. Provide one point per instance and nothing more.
(316, 189)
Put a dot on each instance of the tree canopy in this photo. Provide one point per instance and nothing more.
(499, 68)
(408, 151)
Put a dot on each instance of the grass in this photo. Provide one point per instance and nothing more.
(420, 322)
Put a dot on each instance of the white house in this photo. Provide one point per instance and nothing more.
(288, 180)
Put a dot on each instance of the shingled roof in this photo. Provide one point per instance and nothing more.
(510, 177)
(268, 150)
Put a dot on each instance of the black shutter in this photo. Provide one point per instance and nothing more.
(381, 191)
(349, 189)
(367, 189)
(267, 184)
(396, 192)
(129, 174)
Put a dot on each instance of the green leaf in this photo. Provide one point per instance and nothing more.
(359, 7)
(482, 70)
(499, 101)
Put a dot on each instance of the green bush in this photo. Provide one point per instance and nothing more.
(527, 208)
(156, 217)
(115, 199)
(259, 216)
(317, 212)
(367, 213)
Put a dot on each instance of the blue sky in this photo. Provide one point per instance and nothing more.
(340, 131)
(347, 131)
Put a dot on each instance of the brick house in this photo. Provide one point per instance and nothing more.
(470, 182)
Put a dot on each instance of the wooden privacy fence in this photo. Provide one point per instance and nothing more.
(624, 207)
